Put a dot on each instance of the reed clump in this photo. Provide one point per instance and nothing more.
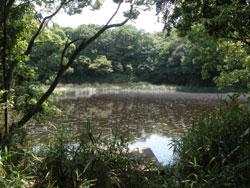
(215, 152)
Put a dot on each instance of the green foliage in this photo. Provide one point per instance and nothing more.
(215, 153)
(26, 91)
(47, 53)
(195, 60)
(86, 160)
(89, 160)
(101, 66)
(138, 56)
(235, 70)
(222, 19)
(14, 172)
(133, 55)
(226, 55)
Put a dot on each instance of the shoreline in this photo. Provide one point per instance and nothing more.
(136, 90)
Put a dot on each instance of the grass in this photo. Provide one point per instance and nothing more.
(15, 168)
(94, 162)
(216, 152)
(82, 161)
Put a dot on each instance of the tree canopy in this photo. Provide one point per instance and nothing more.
(24, 28)
(226, 21)
(222, 18)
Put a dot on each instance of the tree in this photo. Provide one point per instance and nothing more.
(101, 66)
(151, 57)
(46, 53)
(14, 33)
(227, 22)
(222, 18)
(235, 69)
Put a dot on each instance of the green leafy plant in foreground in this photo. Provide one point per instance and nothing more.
(216, 152)
(15, 169)
(90, 161)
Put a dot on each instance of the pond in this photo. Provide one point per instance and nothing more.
(150, 117)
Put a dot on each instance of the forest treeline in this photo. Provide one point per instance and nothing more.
(126, 54)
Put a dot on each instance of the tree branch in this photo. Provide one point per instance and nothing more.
(111, 18)
(84, 44)
(63, 69)
(10, 73)
(67, 45)
(87, 42)
(41, 26)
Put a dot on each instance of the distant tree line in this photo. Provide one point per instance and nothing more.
(127, 54)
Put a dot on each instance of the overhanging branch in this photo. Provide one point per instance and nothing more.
(41, 26)
(64, 68)
(67, 45)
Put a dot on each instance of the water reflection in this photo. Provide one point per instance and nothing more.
(150, 119)
(160, 146)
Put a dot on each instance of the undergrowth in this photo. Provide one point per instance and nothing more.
(215, 152)
(91, 161)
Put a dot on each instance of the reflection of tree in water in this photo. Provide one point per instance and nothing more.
(135, 113)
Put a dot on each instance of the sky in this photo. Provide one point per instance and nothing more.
(147, 20)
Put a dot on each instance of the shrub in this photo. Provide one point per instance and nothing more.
(14, 171)
(216, 151)
(89, 161)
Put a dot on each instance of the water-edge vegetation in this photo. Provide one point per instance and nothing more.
(55, 141)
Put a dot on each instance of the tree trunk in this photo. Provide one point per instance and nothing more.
(3, 59)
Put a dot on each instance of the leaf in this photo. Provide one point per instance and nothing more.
(246, 133)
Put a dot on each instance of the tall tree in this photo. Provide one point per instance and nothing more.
(222, 18)
(227, 21)
(10, 16)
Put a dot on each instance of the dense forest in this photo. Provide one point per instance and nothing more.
(127, 54)
(203, 44)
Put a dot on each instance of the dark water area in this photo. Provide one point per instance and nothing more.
(150, 119)
(136, 114)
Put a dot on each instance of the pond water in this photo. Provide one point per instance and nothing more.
(151, 118)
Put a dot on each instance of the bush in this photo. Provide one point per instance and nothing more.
(14, 171)
(91, 161)
(216, 152)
